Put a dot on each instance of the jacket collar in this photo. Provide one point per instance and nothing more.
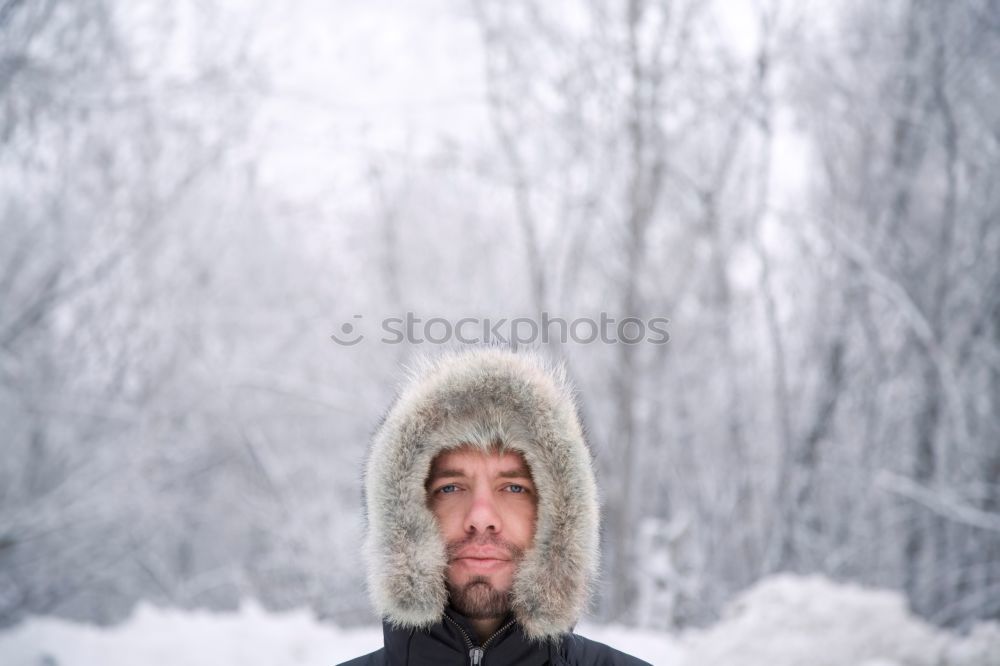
(447, 642)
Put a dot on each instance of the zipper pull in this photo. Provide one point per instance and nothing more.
(476, 656)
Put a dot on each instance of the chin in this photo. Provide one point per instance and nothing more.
(498, 582)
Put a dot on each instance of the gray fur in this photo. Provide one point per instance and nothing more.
(474, 397)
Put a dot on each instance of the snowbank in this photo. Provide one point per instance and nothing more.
(792, 621)
(783, 620)
(165, 637)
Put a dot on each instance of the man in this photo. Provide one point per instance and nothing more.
(482, 517)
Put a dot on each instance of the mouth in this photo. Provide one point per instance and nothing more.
(480, 564)
(483, 552)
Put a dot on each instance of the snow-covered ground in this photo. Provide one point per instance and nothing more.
(784, 620)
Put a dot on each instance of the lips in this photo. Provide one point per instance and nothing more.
(482, 554)
(481, 566)
(482, 560)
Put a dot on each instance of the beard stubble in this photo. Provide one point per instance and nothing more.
(478, 598)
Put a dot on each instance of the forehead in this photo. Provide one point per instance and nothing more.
(469, 460)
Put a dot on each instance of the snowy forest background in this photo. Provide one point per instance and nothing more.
(195, 195)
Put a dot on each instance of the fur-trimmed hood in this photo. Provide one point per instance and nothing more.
(474, 397)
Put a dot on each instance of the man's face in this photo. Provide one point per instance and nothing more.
(485, 504)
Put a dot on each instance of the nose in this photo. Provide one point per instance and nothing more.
(483, 514)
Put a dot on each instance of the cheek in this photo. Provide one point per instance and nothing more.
(523, 527)
(449, 516)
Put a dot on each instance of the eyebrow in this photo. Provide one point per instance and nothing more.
(517, 473)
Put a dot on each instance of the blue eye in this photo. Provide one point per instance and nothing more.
(515, 488)
(448, 489)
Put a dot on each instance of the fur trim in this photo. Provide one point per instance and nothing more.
(475, 396)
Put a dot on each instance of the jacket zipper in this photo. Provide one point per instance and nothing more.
(476, 653)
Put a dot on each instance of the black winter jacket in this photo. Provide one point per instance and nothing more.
(451, 643)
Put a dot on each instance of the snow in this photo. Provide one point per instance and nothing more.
(159, 636)
(783, 620)
(651, 646)
(790, 620)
